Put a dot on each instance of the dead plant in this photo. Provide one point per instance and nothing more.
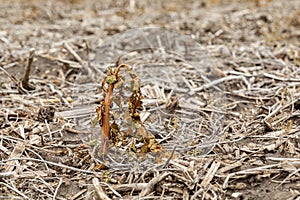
(110, 127)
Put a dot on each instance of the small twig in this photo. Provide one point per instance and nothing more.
(289, 176)
(48, 128)
(210, 174)
(25, 81)
(77, 57)
(10, 76)
(78, 194)
(224, 79)
(13, 79)
(60, 94)
(71, 51)
(87, 53)
(197, 193)
(248, 171)
(99, 189)
(18, 150)
(152, 183)
(277, 109)
(129, 187)
(7, 174)
(3, 162)
(15, 190)
(112, 189)
(28, 149)
(56, 190)
(272, 76)
(170, 157)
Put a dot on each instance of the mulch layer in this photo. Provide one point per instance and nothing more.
(220, 83)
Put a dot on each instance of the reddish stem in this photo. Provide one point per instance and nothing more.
(105, 136)
(105, 119)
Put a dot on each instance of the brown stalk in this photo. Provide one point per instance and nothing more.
(105, 118)
(105, 111)
(25, 81)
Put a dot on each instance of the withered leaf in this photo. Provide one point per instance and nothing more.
(100, 167)
(111, 79)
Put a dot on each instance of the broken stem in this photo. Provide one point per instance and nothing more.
(25, 81)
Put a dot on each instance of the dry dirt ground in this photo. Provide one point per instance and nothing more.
(221, 85)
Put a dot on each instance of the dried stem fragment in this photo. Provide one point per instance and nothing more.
(25, 81)
(104, 110)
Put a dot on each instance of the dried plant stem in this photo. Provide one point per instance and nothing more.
(101, 194)
(107, 103)
(15, 190)
(78, 58)
(25, 81)
(105, 118)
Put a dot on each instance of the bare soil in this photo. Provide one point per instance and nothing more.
(221, 87)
